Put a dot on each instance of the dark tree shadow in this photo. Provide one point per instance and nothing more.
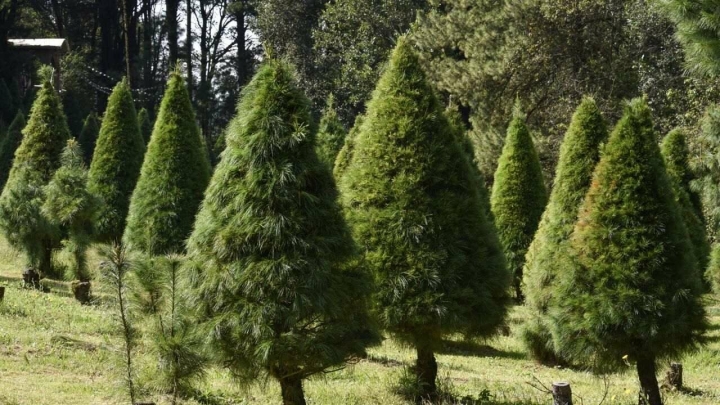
(473, 349)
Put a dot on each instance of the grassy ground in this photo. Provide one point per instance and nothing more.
(55, 351)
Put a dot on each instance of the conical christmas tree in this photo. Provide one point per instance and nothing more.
(36, 159)
(579, 153)
(518, 197)
(675, 152)
(9, 145)
(331, 135)
(69, 205)
(116, 163)
(411, 197)
(172, 180)
(146, 126)
(631, 289)
(88, 136)
(270, 249)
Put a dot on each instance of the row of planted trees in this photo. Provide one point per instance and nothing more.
(288, 266)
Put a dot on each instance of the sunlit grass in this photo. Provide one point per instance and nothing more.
(56, 351)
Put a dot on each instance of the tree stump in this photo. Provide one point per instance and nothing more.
(2, 293)
(81, 291)
(562, 394)
(31, 278)
(674, 376)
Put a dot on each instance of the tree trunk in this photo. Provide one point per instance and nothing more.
(292, 391)
(171, 11)
(188, 49)
(562, 393)
(675, 376)
(426, 373)
(649, 390)
(243, 56)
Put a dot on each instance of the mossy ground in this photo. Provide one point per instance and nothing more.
(55, 351)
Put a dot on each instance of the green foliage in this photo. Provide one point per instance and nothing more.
(36, 159)
(88, 136)
(631, 286)
(174, 176)
(697, 30)
(344, 156)
(269, 251)
(146, 126)
(116, 163)
(579, 154)
(69, 205)
(353, 40)
(713, 271)
(706, 165)
(518, 197)
(331, 135)
(675, 152)
(9, 145)
(410, 195)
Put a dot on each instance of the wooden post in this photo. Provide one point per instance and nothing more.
(562, 394)
(2, 293)
(674, 376)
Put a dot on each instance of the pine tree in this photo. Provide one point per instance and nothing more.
(331, 135)
(579, 153)
(116, 163)
(412, 200)
(675, 152)
(9, 145)
(146, 126)
(172, 180)
(631, 289)
(270, 249)
(518, 197)
(69, 205)
(706, 166)
(36, 159)
(344, 155)
(88, 136)
(697, 31)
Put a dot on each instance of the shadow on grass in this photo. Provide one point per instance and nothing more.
(468, 348)
(384, 361)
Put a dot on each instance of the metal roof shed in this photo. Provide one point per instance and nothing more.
(47, 50)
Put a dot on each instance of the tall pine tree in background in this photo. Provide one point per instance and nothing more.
(412, 200)
(518, 196)
(36, 159)
(270, 249)
(146, 126)
(9, 145)
(88, 136)
(579, 153)
(331, 134)
(675, 151)
(173, 178)
(631, 286)
(698, 30)
(116, 163)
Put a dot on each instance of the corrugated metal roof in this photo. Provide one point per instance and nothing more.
(39, 43)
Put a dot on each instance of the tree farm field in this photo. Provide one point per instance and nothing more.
(54, 350)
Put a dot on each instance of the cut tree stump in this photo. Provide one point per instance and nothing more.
(2, 293)
(562, 394)
(81, 291)
(674, 376)
(31, 278)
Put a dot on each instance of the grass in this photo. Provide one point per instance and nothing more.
(55, 351)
